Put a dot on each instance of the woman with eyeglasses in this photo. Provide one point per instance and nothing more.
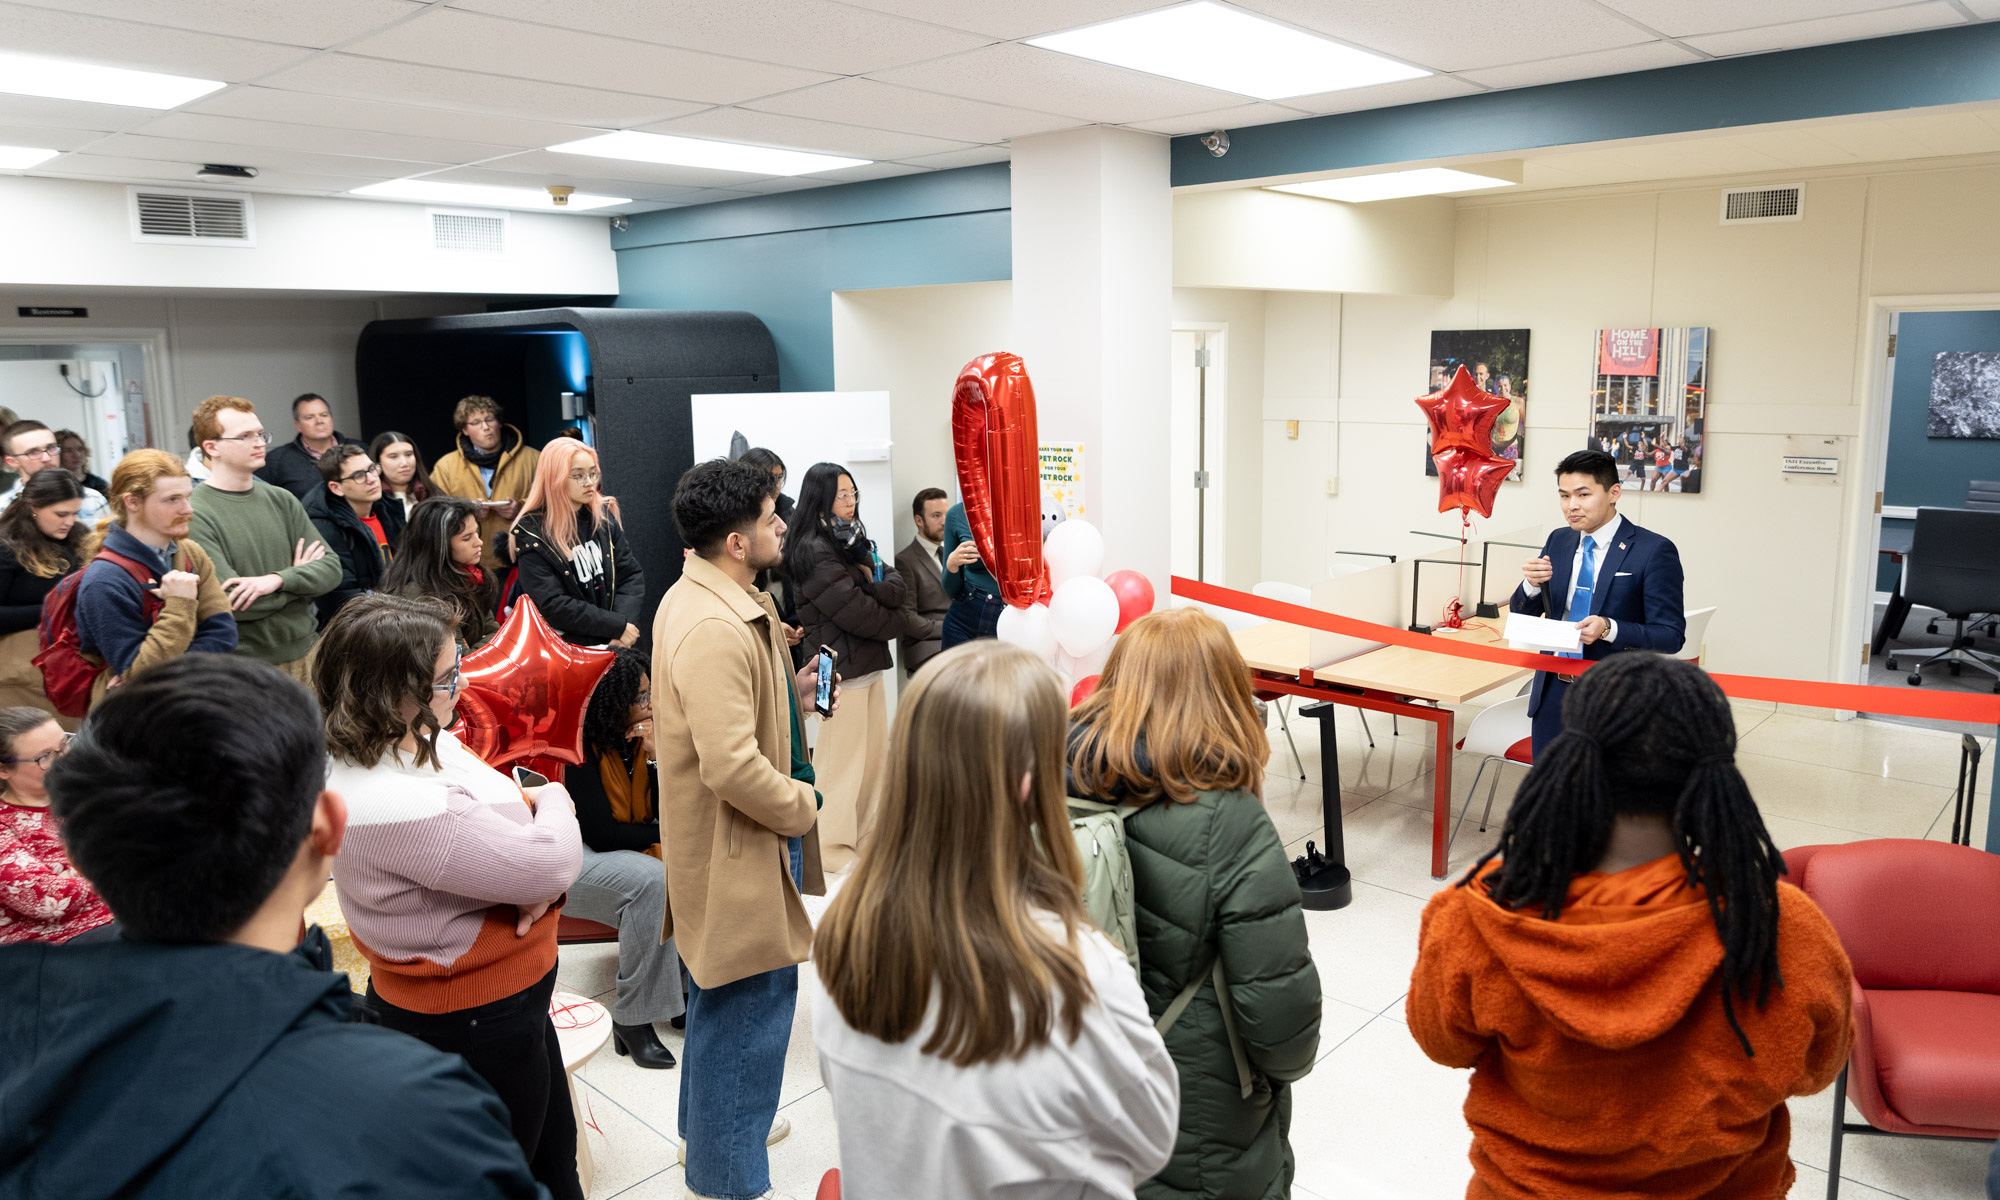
(42, 898)
(850, 600)
(41, 542)
(450, 870)
(440, 559)
(575, 561)
(405, 483)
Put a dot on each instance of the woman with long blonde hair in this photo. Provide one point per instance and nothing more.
(977, 1035)
(1172, 736)
(575, 561)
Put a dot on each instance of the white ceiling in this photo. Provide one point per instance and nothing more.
(327, 95)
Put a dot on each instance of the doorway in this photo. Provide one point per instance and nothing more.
(102, 390)
(1198, 451)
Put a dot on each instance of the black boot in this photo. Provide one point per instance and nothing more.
(643, 1045)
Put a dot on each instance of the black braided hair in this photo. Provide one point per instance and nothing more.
(604, 723)
(1644, 734)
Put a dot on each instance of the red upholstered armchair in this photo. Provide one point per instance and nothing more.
(1917, 920)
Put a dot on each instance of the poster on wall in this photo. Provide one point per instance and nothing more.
(1498, 362)
(1649, 405)
(1965, 395)
(1062, 483)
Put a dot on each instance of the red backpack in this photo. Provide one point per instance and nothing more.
(68, 675)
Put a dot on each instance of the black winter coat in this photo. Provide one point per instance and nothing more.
(362, 563)
(22, 592)
(589, 595)
(229, 1073)
(842, 605)
(292, 467)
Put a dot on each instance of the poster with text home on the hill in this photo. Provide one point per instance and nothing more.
(1497, 360)
(1649, 405)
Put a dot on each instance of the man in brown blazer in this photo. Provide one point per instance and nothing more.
(737, 821)
(921, 564)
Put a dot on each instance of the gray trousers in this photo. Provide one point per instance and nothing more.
(629, 889)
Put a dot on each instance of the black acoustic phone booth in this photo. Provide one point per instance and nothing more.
(633, 368)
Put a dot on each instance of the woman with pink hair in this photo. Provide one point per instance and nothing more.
(575, 562)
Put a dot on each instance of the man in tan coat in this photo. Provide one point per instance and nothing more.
(738, 817)
(493, 466)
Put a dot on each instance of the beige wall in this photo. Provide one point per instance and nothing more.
(1236, 472)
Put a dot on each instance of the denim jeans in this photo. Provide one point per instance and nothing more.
(732, 1064)
(975, 614)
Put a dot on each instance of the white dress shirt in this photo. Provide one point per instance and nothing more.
(1602, 537)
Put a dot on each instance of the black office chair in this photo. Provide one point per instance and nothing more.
(1954, 567)
(1983, 495)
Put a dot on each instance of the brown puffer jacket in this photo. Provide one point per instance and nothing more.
(842, 605)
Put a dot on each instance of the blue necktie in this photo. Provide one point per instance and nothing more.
(1586, 578)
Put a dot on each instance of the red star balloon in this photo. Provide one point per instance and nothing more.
(526, 691)
(1461, 415)
(999, 472)
(1470, 479)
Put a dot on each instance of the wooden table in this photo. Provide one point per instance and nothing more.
(1392, 679)
(582, 1027)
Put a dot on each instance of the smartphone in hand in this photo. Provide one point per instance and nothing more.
(823, 701)
(530, 779)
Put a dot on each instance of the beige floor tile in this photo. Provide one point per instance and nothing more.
(623, 1147)
(1919, 1168)
(813, 1149)
(1384, 1122)
(588, 968)
(1366, 951)
(1811, 1185)
(1872, 748)
(1297, 810)
(1843, 799)
(1339, 1021)
(1389, 841)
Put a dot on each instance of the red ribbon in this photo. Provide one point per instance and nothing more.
(1900, 702)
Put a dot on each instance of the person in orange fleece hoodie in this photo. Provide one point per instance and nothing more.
(1635, 991)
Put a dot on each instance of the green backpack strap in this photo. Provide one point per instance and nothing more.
(1244, 1080)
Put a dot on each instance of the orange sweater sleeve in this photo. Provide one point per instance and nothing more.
(1817, 965)
(1439, 1006)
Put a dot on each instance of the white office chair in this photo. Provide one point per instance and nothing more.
(1503, 733)
(1284, 593)
(1697, 629)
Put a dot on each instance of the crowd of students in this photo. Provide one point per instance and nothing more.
(1634, 988)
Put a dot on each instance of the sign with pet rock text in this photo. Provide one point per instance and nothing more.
(1062, 479)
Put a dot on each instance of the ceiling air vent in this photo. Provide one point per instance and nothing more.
(1749, 206)
(204, 218)
(468, 233)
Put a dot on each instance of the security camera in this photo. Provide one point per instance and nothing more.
(560, 194)
(620, 224)
(1217, 142)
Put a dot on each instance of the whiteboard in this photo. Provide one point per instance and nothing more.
(802, 428)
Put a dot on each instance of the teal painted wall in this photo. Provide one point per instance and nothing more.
(1924, 471)
(782, 257)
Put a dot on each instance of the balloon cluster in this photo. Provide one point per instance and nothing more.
(1461, 418)
(1073, 630)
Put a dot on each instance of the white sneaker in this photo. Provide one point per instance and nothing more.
(780, 1130)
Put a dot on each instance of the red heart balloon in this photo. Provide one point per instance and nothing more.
(1462, 416)
(999, 472)
(526, 692)
(1470, 479)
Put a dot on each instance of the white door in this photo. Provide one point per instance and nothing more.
(1197, 454)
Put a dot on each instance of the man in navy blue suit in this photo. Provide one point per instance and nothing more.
(1619, 583)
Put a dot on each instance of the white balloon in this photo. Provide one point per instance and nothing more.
(1093, 663)
(1030, 629)
(1075, 549)
(1083, 612)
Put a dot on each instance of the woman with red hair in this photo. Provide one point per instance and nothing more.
(575, 562)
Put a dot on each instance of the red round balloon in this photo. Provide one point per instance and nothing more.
(1469, 479)
(1135, 596)
(526, 691)
(1461, 416)
(999, 472)
(1084, 687)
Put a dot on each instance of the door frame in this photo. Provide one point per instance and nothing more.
(160, 404)
(1215, 446)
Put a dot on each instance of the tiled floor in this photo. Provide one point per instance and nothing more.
(1377, 1120)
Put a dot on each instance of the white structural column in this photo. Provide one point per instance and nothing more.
(1093, 318)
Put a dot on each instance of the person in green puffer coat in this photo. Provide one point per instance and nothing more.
(1173, 728)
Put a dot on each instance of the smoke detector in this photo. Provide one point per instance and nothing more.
(560, 193)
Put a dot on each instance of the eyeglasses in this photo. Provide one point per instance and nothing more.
(457, 667)
(585, 476)
(49, 451)
(46, 757)
(854, 495)
(365, 473)
(482, 422)
(257, 438)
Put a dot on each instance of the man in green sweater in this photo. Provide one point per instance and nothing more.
(269, 557)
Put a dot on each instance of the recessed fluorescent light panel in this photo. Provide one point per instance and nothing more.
(68, 79)
(1394, 185)
(700, 152)
(19, 157)
(1230, 50)
(480, 195)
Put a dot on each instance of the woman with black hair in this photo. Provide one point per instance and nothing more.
(623, 883)
(440, 559)
(41, 541)
(404, 480)
(851, 600)
(1635, 991)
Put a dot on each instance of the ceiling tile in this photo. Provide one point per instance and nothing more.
(1644, 57)
(1241, 116)
(445, 37)
(316, 24)
(1458, 35)
(559, 166)
(201, 127)
(882, 106)
(127, 145)
(42, 137)
(142, 170)
(337, 112)
(1014, 19)
(1684, 18)
(1830, 29)
(435, 87)
(1011, 73)
(598, 185)
(815, 34)
(799, 133)
(70, 114)
(1985, 10)
(978, 156)
(148, 47)
(1385, 95)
